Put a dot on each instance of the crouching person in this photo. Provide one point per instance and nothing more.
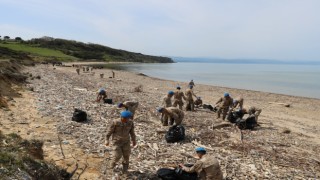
(121, 130)
(207, 167)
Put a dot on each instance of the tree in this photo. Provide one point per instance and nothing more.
(6, 37)
(18, 39)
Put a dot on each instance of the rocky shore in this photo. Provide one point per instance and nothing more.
(285, 146)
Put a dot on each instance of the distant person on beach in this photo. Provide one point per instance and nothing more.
(102, 94)
(252, 111)
(121, 130)
(129, 106)
(198, 102)
(189, 99)
(207, 167)
(78, 71)
(177, 98)
(238, 102)
(167, 103)
(191, 83)
(113, 74)
(173, 114)
(223, 104)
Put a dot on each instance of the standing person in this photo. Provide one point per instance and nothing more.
(129, 106)
(174, 114)
(102, 94)
(190, 102)
(113, 74)
(167, 103)
(191, 83)
(238, 102)
(177, 98)
(224, 104)
(120, 131)
(207, 167)
(78, 71)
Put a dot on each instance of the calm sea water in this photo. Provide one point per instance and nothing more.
(299, 80)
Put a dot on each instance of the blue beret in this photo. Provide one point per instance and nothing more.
(126, 114)
(200, 149)
(226, 94)
(171, 92)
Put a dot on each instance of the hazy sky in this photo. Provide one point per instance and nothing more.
(264, 29)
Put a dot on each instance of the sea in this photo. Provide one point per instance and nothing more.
(289, 79)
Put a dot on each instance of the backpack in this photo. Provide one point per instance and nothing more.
(175, 133)
(79, 115)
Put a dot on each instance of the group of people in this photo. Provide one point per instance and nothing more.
(122, 130)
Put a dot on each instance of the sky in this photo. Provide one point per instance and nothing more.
(232, 29)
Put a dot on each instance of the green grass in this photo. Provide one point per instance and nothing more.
(37, 51)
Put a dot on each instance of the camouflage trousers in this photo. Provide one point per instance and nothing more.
(224, 111)
(118, 151)
(190, 105)
(177, 102)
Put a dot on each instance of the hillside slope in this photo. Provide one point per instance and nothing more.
(46, 49)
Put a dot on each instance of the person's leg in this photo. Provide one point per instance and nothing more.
(126, 150)
(116, 156)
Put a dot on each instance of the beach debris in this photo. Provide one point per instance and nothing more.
(281, 104)
(265, 153)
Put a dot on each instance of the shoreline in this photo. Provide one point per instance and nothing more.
(181, 82)
(48, 110)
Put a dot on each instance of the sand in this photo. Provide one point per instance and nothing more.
(280, 155)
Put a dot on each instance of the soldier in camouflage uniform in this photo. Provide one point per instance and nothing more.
(121, 130)
(178, 95)
(223, 105)
(129, 106)
(189, 99)
(174, 115)
(207, 167)
(167, 103)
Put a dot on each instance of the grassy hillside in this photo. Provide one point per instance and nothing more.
(36, 51)
(68, 50)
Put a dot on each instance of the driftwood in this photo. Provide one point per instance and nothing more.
(282, 104)
(222, 125)
(201, 145)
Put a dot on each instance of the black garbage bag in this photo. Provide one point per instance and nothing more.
(79, 115)
(248, 123)
(176, 174)
(182, 175)
(175, 133)
(234, 115)
(210, 107)
(107, 101)
(166, 174)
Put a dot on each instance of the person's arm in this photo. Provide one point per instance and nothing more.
(219, 101)
(183, 96)
(110, 131)
(197, 167)
(133, 135)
